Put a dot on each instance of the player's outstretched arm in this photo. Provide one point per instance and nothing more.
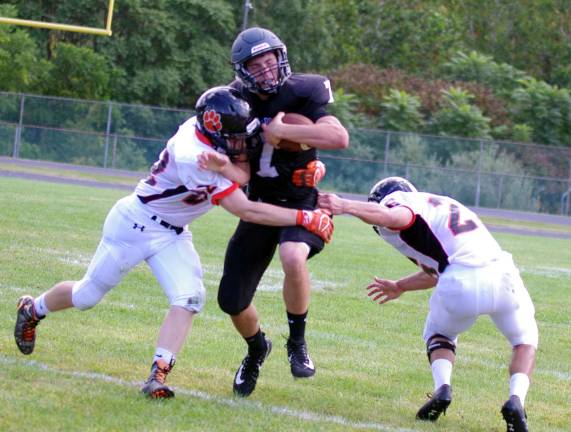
(315, 221)
(369, 212)
(238, 172)
(384, 290)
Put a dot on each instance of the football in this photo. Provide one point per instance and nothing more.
(296, 119)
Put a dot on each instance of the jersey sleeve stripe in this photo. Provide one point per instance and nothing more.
(223, 194)
(411, 223)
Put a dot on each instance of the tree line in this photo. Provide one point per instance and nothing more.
(474, 68)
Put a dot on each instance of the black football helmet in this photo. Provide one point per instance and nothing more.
(385, 187)
(221, 114)
(389, 185)
(251, 43)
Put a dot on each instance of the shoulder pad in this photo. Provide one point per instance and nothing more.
(316, 87)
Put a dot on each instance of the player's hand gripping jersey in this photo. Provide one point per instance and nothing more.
(272, 169)
(442, 231)
(178, 191)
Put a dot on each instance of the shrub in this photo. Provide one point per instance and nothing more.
(459, 118)
(401, 112)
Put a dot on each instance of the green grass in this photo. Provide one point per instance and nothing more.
(71, 172)
(372, 372)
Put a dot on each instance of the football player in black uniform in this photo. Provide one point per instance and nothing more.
(283, 178)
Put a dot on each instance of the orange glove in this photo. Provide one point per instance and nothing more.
(317, 222)
(311, 175)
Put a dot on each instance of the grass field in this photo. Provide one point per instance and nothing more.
(372, 372)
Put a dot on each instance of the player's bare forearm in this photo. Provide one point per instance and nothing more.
(385, 290)
(369, 212)
(237, 171)
(315, 221)
(326, 134)
(256, 212)
(417, 281)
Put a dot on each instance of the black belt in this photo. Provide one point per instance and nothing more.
(167, 225)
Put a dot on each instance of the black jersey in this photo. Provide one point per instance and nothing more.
(271, 169)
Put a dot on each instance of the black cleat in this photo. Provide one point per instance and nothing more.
(247, 374)
(301, 364)
(26, 322)
(437, 404)
(155, 387)
(514, 415)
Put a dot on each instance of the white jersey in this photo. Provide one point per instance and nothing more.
(442, 232)
(177, 190)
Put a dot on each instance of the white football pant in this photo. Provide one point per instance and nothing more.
(131, 236)
(463, 293)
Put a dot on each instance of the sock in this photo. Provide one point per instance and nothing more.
(40, 306)
(297, 326)
(163, 354)
(441, 372)
(519, 385)
(257, 342)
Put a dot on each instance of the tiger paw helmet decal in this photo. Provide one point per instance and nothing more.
(211, 121)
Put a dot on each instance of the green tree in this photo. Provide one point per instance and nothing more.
(545, 109)
(458, 117)
(480, 68)
(79, 72)
(21, 67)
(412, 35)
(401, 112)
(531, 35)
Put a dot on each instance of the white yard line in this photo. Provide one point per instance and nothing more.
(231, 402)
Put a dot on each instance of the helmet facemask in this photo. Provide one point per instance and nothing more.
(281, 71)
(240, 144)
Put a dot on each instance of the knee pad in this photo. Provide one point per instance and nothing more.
(441, 342)
(193, 303)
(88, 292)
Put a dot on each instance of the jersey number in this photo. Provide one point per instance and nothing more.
(266, 167)
(198, 195)
(327, 85)
(158, 167)
(454, 223)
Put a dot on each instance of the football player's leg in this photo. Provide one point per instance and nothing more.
(121, 248)
(296, 286)
(442, 327)
(296, 246)
(179, 272)
(249, 253)
(111, 261)
(520, 328)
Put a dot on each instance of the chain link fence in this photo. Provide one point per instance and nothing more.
(481, 173)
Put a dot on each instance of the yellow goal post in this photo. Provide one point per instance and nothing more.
(66, 27)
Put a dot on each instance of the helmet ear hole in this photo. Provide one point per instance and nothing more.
(387, 186)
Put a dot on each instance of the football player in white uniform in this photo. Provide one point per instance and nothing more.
(471, 274)
(150, 225)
